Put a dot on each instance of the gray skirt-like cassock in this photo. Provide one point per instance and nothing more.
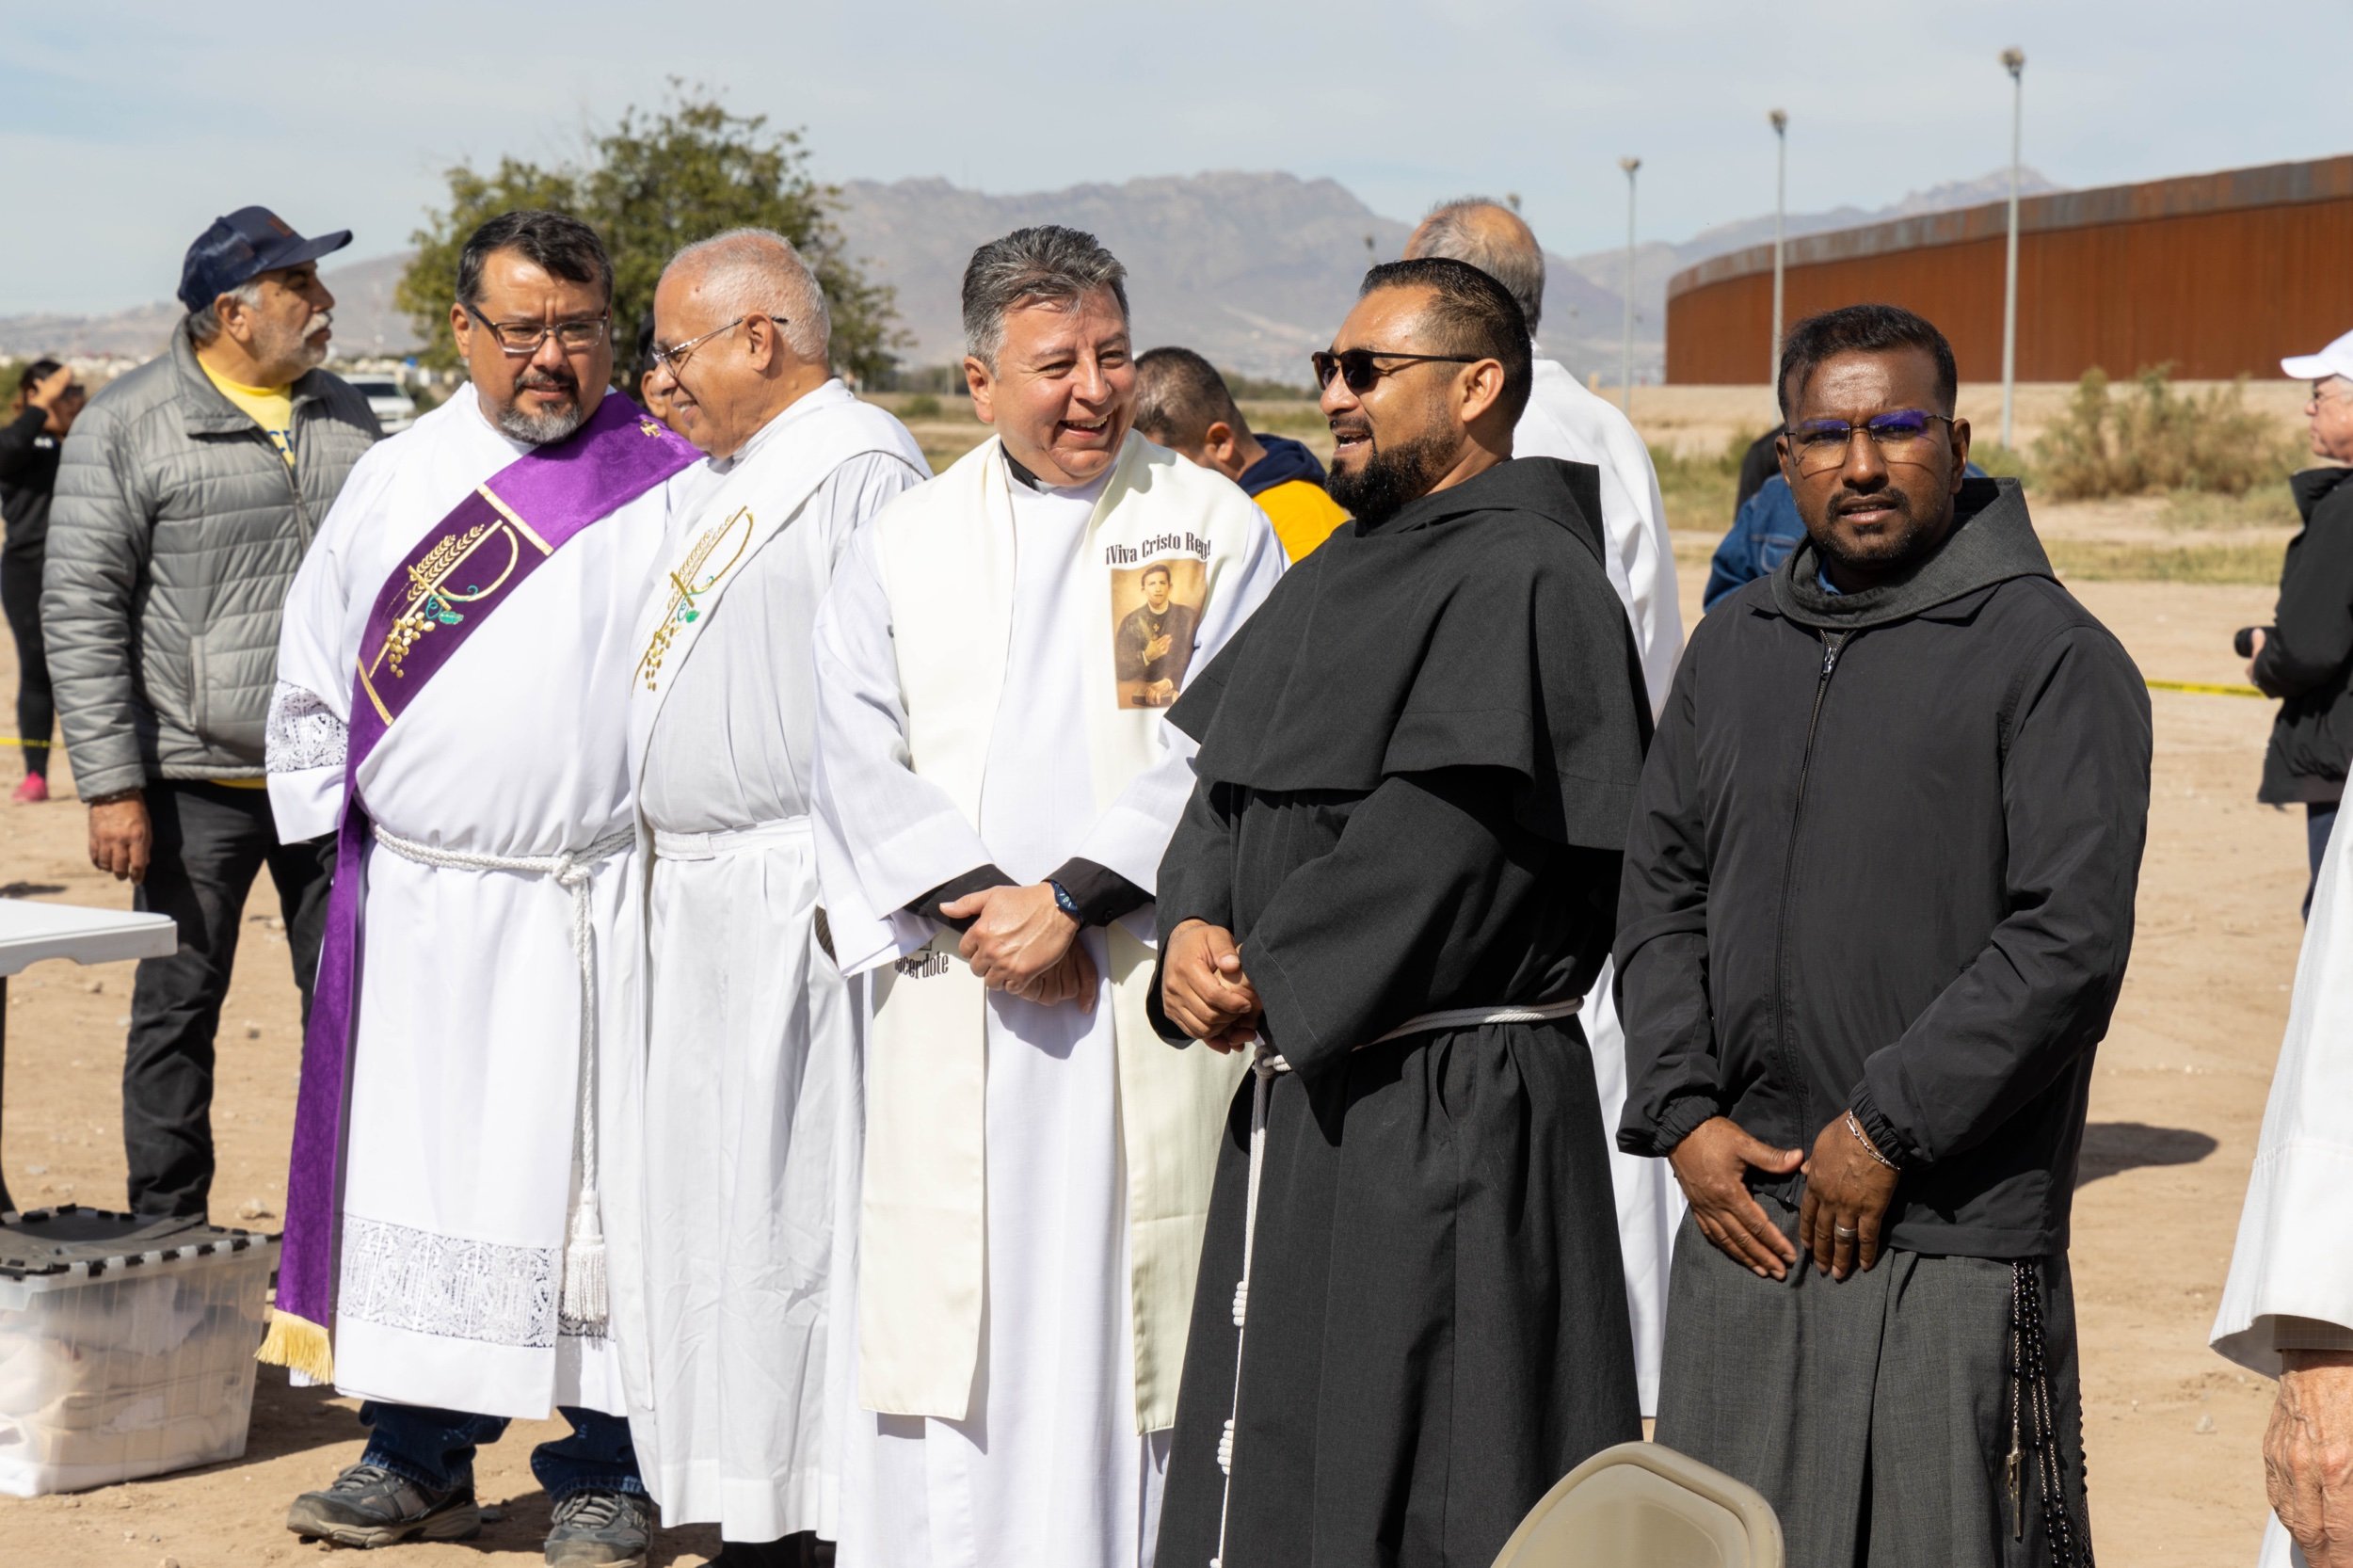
(1874, 1413)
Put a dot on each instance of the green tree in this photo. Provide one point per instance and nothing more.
(654, 183)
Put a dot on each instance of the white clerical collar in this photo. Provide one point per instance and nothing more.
(1028, 486)
(831, 395)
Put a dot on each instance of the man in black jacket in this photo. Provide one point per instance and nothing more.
(1877, 904)
(2305, 656)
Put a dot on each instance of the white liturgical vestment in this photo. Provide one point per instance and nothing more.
(752, 1035)
(460, 1164)
(2294, 1260)
(1032, 1394)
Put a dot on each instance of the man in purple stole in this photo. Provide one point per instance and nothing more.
(452, 681)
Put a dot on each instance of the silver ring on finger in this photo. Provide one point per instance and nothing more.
(1844, 1234)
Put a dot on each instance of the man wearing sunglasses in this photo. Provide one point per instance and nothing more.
(1566, 420)
(452, 700)
(1876, 906)
(1391, 889)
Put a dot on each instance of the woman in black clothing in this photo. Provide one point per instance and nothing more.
(47, 398)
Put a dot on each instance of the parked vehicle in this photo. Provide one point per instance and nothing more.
(394, 407)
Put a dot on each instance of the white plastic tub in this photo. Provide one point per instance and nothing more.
(124, 1352)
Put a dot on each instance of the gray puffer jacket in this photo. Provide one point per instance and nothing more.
(175, 533)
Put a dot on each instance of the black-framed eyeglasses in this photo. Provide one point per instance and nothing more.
(1901, 435)
(522, 338)
(1361, 368)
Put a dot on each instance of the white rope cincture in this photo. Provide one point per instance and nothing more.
(1264, 1066)
(584, 1294)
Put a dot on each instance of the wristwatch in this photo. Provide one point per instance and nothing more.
(1064, 901)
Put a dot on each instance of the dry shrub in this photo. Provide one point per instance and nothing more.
(2156, 439)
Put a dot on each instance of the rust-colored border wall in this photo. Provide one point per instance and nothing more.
(2219, 276)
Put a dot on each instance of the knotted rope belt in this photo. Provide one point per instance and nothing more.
(584, 1299)
(1264, 1066)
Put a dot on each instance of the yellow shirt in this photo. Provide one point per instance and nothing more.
(271, 408)
(1303, 515)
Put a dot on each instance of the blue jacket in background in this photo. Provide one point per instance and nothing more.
(1764, 531)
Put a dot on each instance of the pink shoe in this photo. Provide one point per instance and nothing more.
(32, 791)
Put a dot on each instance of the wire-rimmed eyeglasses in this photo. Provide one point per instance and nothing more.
(1901, 435)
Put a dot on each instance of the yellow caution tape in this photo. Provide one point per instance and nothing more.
(2201, 687)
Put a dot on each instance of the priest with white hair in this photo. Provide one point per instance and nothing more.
(995, 789)
(1564, 420)
(751, 1047)
(2287, 1307)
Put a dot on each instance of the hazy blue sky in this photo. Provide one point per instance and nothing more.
(125, 128)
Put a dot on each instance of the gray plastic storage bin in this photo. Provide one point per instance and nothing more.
(126, 1345)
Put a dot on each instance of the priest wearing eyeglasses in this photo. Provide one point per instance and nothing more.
(1877, 907)
(751, 1054)
(453, 682)
(1394, 882)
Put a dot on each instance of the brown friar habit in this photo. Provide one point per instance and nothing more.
(1417, 762)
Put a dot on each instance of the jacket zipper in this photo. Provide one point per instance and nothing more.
(294, 475)
(1833, 644)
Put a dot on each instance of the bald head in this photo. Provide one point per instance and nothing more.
(758, 272)
(740, 334)
(1491, 237)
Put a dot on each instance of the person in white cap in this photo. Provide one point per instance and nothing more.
(2305, 656)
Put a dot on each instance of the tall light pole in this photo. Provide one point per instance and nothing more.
(1626, 342)
(1780, 208)
(2013, 61)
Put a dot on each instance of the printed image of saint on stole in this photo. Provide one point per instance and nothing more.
(1157, 610)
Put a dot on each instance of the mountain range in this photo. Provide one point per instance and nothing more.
(1253, 269)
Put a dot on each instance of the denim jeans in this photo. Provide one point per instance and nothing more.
(211, 841)
(435, 1449)
(2320, 817)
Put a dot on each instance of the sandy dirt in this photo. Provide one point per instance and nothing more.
(2173, 1431)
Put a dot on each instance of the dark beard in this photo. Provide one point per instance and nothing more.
(1896, 557)
(1392, 478)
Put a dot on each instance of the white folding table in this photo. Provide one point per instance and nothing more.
(31, 931)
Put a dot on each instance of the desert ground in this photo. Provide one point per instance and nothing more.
(2173, 1433)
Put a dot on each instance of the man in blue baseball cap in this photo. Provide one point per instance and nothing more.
(187, 495)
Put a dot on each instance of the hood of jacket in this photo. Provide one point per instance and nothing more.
(1993, 540)
(2313, 486)
(1285, 460)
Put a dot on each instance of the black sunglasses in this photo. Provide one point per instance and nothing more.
(1359, 369)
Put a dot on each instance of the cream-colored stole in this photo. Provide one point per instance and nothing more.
(944, 550)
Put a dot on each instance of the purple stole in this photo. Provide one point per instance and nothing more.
(502, 533)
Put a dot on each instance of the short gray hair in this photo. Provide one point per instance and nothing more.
(1491, 237)
(758, 272)
(203, 326)
(1048, 265)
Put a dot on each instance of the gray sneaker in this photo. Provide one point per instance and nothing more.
(600, 1529)
(369, 1506)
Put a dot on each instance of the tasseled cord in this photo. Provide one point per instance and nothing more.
(585, 1297)
(298, 1345)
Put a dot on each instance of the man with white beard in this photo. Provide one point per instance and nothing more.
(994, 794)
(751, 1048)
(464, 1135)
(1564, 420)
